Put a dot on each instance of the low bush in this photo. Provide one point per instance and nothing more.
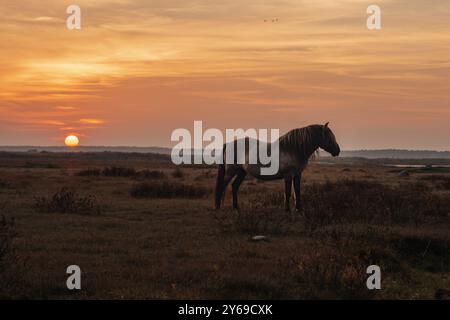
(90, 173)
(152, 174)
(67, 201)
(4, 184)
(177, 173)
(119, 172)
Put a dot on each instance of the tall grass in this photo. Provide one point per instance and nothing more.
(367, 201)
(438, 180)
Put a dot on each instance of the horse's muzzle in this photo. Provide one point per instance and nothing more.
(336, 153)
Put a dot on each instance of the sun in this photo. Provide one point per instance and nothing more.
(72, 140)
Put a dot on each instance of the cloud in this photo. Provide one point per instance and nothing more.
(91, 121)
(48, 122)
(65, 108)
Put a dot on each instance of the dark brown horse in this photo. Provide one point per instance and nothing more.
(295, 149)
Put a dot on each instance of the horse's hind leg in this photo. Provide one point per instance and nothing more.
(298, 201)
(230, 172)
(235, 186)
(287, 192)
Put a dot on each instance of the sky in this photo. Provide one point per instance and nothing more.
(139, 69)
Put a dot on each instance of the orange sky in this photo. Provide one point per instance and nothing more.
(139, 69)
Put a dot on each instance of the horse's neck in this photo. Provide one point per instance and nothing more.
(309, 152)
(313, 148)
(310, 149)
(306, 153)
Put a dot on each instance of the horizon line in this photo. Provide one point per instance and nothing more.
(160, 147)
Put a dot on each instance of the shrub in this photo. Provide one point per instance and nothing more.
(67, 201)
(41, 165)
(4, 184)
(177, 173)
(166, 190)
(152, 174)
(90, 173)
(119, 172)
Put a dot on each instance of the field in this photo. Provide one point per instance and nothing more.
(139, 227)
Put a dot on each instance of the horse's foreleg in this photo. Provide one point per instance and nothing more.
(298, 201)
(228, 175)
(235, 187)
(287, 192)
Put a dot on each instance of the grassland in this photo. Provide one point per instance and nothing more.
(141, 228)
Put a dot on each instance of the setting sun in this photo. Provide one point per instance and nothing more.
(72, 141)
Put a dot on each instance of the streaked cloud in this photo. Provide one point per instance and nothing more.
(65, 108)
(91, 121)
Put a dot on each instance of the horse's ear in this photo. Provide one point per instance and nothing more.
(326, 125)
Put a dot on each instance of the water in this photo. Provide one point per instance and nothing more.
(398, 165)
(418, 165)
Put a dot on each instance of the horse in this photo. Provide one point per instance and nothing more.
(295, 149)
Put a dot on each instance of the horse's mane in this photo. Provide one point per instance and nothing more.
(301, 142)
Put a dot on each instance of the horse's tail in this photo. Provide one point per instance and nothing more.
(220, 181)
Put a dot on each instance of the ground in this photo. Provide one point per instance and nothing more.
(139, 227)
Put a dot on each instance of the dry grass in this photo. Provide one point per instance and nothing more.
(152, 174)
(67, 200)
(10, 268)
(177, 173)
(169, 243)
(167, 190)
(7, 234)
(440, 181)
(347, 201)
(258, 221)
(122, 172)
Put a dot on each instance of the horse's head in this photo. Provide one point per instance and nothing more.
(328, 141)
